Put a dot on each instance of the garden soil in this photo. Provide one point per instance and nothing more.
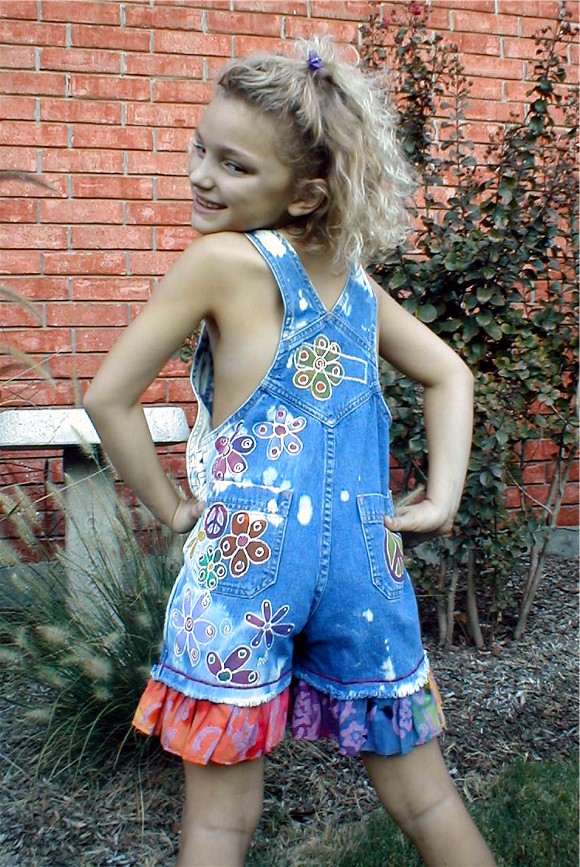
(506, 701)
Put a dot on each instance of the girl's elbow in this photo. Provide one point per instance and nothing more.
(468, 377)
(456, 372)
(103, 402)
(464, 373)
(459, 378)
(96, 402)
(92, 402)
(464, 381)
(88, 398)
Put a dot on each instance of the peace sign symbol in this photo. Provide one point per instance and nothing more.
(216, 520)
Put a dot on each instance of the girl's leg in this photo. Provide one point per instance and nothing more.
(418, 793)
(223, 805)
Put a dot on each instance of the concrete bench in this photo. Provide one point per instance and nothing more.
(89, 486)
(70, 427)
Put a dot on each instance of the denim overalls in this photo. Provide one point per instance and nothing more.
(290, 571)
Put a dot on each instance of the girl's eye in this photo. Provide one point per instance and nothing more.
(197, 148)
(234, 168)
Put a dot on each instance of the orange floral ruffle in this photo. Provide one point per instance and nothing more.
(201, 731)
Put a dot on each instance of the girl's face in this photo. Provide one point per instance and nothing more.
(238, 181)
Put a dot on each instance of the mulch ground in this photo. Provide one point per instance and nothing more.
(510, 700)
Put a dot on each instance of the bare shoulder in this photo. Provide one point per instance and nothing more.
(234, 258)
(222, 251)
(215, 266)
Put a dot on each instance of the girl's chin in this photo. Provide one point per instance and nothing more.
(205, 221)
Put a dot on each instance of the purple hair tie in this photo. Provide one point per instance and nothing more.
(314, 61)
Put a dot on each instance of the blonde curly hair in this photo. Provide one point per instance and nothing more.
(335, 123)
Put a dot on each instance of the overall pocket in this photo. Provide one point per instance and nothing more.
(384, 548)
(236, 547)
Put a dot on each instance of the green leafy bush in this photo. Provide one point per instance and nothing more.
(495, 273)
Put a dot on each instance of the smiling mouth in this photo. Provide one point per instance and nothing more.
(206, 204)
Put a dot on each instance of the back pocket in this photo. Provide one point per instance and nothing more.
(384, 548)
(236, 547)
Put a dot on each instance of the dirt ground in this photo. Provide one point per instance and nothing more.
(510, 700)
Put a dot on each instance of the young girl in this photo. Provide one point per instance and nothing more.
(293, 602)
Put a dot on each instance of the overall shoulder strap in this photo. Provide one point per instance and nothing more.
(301, 302)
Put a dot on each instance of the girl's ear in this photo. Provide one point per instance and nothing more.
(311, 195)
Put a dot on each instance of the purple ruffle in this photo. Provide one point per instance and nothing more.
(391, 726)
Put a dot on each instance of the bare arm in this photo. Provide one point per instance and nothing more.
(184, 297)
(413, 349)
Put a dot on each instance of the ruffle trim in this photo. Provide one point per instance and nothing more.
(202, 731)
(391, 726)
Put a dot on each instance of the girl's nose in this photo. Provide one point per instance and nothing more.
(199, 174)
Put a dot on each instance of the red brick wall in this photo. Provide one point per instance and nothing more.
(100, 98)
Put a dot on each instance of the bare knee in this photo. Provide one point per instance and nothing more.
(230, 835)
(418, 817)
(444, 833)
(420, 796)
(222, 809)
(239, 819)
(414, 788)
(225, 794)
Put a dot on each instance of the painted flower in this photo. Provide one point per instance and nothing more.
(282, 433)
(268, 625)
(192, 629)
(211, 569)
(231, 454)
(318, 367)
(394, 554)
(230, 671)
(243, 545)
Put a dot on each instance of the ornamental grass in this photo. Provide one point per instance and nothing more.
(78, 634)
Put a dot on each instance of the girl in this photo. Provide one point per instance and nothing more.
(293, 601)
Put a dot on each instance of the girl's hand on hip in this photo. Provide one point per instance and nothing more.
(186, 515)
(419, 522)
